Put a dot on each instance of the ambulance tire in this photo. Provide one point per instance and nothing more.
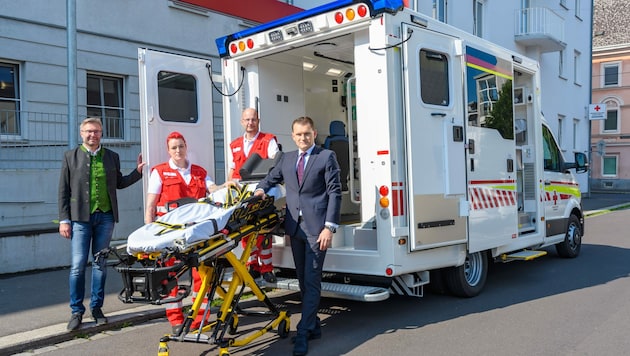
(468, 280)
(570, 247)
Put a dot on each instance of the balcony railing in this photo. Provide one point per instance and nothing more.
(540, 27)
(37, 140)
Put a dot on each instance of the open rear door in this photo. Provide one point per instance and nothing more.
(434, 138)
(175, 95)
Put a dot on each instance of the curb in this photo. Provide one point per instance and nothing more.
(605, 210)
(55, 334)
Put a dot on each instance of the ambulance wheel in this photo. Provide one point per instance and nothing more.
(283, 329)
(468, 279)
(570, 247)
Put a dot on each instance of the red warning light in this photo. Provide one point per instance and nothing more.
(338, 17)
(362, 10)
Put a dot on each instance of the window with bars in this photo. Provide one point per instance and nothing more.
(105, 100)
(9, 99)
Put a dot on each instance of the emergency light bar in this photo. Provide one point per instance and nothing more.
(331, 15)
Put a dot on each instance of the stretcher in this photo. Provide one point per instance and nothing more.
(205, 240)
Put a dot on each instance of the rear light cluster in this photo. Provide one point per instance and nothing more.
(351, 13)
(384, 200)
(289, 32)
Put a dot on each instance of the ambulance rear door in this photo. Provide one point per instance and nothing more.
(434, 130)
(175, 95)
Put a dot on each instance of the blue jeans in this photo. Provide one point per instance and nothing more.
(97, 233)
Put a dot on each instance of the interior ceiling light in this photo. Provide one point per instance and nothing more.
(334, 72)
(309, 66)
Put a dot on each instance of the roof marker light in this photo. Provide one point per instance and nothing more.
(338, 17)
(250, 43)
(241, 45)
(350, 14)
(362, 10)
(233, 48)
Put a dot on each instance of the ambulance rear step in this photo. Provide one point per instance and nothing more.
(524, 255)
(337, 290)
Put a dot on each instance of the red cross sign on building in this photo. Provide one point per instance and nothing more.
(597, 112)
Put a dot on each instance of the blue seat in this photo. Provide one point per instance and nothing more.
(338, 142)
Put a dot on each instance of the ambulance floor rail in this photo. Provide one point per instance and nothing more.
(152, 281)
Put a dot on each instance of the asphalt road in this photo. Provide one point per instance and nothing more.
(548, 306)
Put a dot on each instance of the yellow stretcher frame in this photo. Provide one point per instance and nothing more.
(254, 217)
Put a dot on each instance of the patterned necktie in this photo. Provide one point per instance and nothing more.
(300, 167)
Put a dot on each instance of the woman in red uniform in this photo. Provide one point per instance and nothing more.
(170, 181)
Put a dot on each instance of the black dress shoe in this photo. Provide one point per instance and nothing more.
(301, 345)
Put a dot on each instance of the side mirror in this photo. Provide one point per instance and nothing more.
(581, 162)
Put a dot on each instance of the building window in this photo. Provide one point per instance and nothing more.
(577, 9)
(577, 68)
(560, 130)
(439, 10)
(576, 124)
(561, 63)
(611, 124)
(611, 74)
(609, 166)
(105, 100)
(478, 18)
(9, 99)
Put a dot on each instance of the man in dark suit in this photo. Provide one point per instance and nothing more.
(88, 209)
(313, 195)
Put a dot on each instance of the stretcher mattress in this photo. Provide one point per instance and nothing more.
(188, 224)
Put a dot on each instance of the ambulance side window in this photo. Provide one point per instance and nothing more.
(177, 97)
(434, 78)
(551, 153)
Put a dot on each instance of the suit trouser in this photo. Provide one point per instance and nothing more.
(309, 260)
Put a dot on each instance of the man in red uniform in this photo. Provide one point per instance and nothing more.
(266, 145)
(170, 181)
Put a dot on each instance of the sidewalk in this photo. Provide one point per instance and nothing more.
(34, 311)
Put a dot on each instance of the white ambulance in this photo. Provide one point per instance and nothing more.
(447, 163)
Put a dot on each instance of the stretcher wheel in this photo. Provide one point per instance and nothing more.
(163, 349)
(283, 329)
(224, 353)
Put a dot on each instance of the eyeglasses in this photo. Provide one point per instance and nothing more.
(94, 132)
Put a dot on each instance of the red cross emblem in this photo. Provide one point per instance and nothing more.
(597, 108)
(555, 198)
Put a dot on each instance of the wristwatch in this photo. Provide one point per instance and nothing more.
(331, 228)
